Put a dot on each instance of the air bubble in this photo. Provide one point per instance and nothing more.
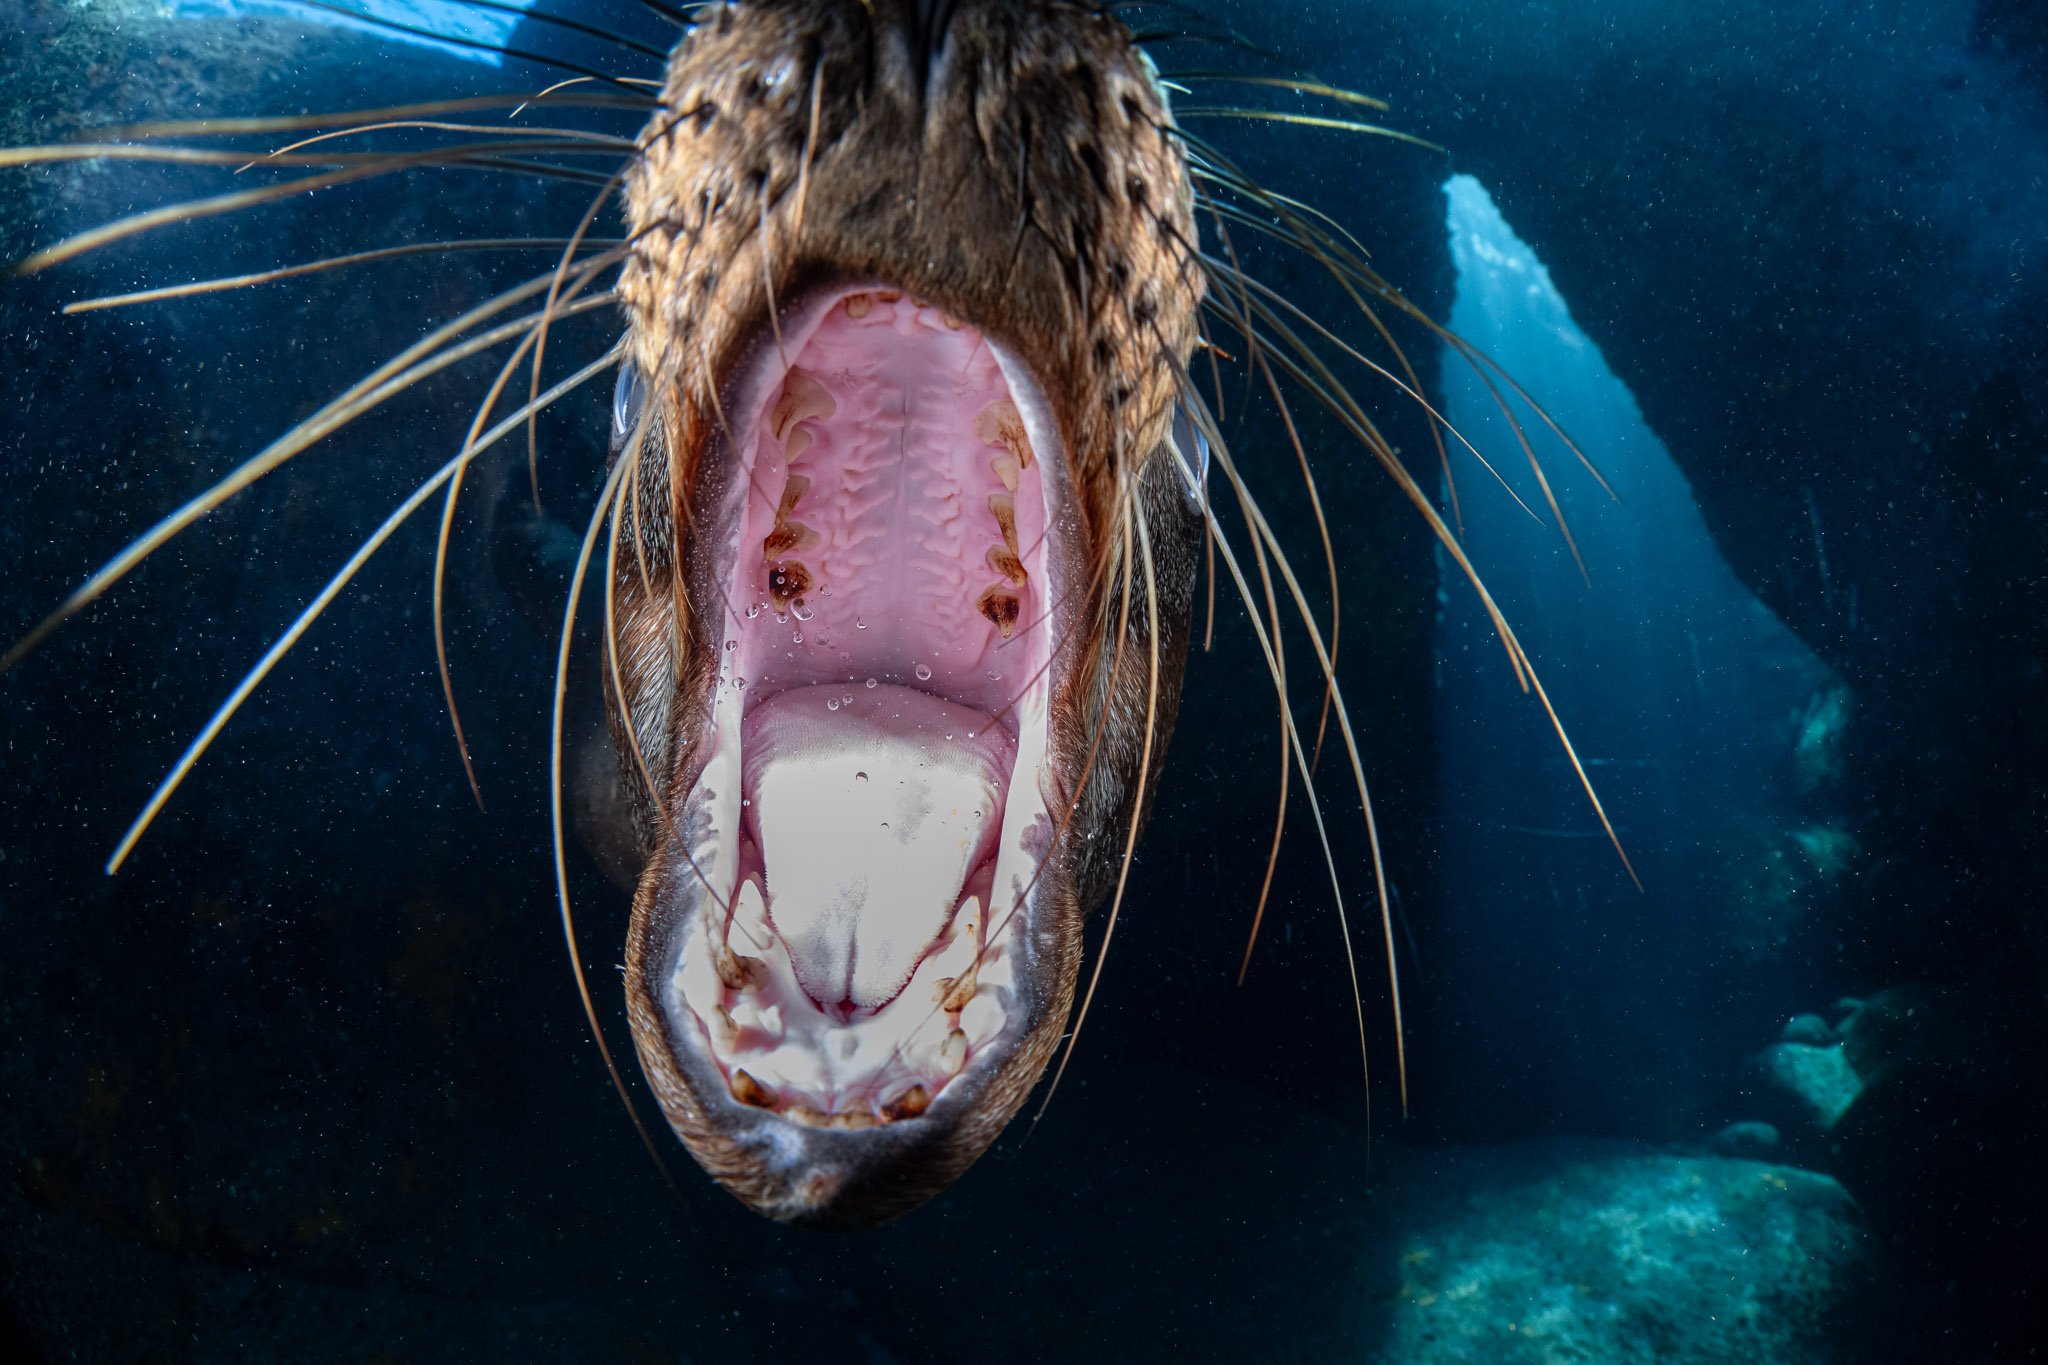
(801, 610)
(860, 777)
(831, 703)
(871, 682)
(924, 672)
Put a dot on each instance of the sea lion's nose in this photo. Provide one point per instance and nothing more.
(923, 25)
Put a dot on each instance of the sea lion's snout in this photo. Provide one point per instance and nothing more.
(907, 327)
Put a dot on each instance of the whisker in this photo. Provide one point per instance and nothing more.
(622, 144)
(1331, 92)
(348, 571)
(474, 45)
(287, 123)
(1303, 120)
(226, 282)
(572, 25)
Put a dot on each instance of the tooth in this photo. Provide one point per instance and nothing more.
(787, 536)
(1001, 605)
(737, 973)
(802, 397)
(888, 295)
(1005, 509)
(1005, 466)
(953, 324)
(960, 990)
(750, 915)
(807, 1116)
(787, 580)
(724, 1032)
(854, 1120)
(999, 424)
(907, 1105)
(797, 486)
(799, 441)
(859, 305)
(952, 1054)
(747, 1090)
(1004, 561)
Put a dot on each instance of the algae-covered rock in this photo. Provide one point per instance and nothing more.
(1627, 1259)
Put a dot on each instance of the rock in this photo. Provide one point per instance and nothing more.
(1637, 1258)
(1749, 1138)
(1819, 1077)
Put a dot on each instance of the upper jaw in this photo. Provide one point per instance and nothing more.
(717, 981)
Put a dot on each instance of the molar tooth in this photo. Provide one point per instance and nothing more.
(787, 536)
(952, 1054)
(1004, 508)
(1000, 424)
(1004, 561)
(853, 1120)
(859, 305)
(747, 1090)
(1005, 467)
(959, 990)
(807, 1116)
(802, 397)
(907, 1105)
(724, 1032)
(1001, 605)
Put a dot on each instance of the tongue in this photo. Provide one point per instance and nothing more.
(870, 815)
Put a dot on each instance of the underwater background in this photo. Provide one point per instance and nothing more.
(309, 1080)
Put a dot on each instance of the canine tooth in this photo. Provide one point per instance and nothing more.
(802, 396)
(907, 1105)
(959, 990)
(952, 1054)
(747, 1090)
(1004, 561)
(859, 305)
(1001, 605)
(737, 973)
(799, 441)
(1000, 424)
(1005, 466)
(750, 915)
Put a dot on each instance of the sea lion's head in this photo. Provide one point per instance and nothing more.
(908, 553)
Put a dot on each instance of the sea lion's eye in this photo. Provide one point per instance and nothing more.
(627, 395)
(1191, 447)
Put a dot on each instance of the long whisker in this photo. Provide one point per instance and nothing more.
(348, 571)
(608, 140)
(1305, 121)
(386, 381)
(597, 515)
(572, 25)
(540, 344)
(287, 123)
(472, 44)
(225, 282)
(1331, 92)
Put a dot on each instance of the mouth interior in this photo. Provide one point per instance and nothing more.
(880, 718)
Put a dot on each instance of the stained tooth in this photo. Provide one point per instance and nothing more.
(787, 580)
(1005, 466)
(737, 973)
(747, 1090)
(787, 536)
(952, 1054)
(807, 1116)
(960, 990)
(802, 396)
(797, 486)
(999, 424)
(853, 1120)
(859, 305)
(1004, 561)
(888, 295)
(907, 1105)
(799, 441)
(953, 324)
(1005, 509)
(1001, 605)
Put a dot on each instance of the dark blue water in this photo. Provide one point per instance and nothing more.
(309, 1079)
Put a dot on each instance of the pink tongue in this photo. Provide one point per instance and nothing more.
(871, 807)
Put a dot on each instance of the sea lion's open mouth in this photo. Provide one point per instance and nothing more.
(898, 630)
(891, 568)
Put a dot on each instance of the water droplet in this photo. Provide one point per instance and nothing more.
(781, 618)
(846, 697)
(798, 637)
(994, 676)
(825, 591)
(802, 610)
(731, 645)
(871, 682)
(753, 610)
(831, 703)
(924, 672)
(845, 657)
(739, 682)
(860, 777)
(745, 802)
(859, 624)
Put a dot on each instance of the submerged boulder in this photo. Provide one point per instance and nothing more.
(1636, 1258)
